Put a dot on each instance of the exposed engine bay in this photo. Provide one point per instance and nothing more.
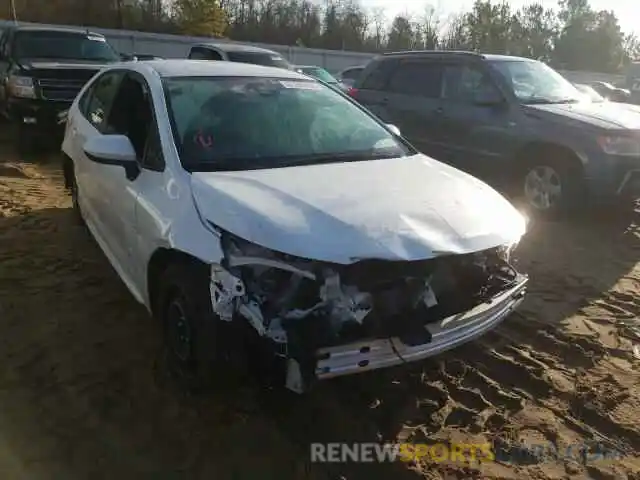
(300, 306)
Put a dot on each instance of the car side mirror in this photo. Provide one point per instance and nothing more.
(394, 129)
(116, 150)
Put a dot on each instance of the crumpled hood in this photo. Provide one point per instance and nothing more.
(609, 115)
(407, 208)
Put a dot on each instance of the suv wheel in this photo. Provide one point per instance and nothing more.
(190, 327)
(550, 188)
(543, 187)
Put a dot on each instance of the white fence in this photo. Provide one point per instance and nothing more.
(176, 46)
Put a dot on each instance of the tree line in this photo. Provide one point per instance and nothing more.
(572, 36)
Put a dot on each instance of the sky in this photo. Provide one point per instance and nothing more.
(627, 11)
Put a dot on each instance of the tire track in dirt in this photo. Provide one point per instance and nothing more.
(80, 395)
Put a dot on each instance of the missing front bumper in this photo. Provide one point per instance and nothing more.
(449, 333)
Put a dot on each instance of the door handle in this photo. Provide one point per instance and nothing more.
(384, 101)
(440, 111)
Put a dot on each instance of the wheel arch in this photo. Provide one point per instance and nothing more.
(161, 258)
(530, 151)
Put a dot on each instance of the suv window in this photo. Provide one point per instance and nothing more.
(352, 73)
(259, 58)
(465, 83)
(202, 53)
(132, 115)
(5, 44)
(97, 101)
(417, 78)
(378, 77)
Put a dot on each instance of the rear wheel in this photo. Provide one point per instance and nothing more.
(72, 185)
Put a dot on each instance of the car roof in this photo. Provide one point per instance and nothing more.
(457, 53)
(235, 47)
(80, 31)
(206, 68)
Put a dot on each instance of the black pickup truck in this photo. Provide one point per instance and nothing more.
(42, 69)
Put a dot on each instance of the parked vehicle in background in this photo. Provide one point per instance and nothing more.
(322, 75)
(512, 121)
(633, 81)
(612, 93)
(252, 208)
(146, 56)
(590, 93)
(236, 52)
(41, 71)
(348, 76)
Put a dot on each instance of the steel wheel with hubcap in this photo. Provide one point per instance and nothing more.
(183, 306)
(178, 330)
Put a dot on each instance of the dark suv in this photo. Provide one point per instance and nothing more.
(41, 72)
(237, 52)
(514, 122)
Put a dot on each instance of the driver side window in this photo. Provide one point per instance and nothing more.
(468, 84)
(132, 115)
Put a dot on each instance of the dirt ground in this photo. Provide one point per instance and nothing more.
(82, 395)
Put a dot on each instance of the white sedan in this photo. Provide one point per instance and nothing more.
(252, 209)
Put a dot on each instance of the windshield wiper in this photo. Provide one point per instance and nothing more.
(255, 163)
(549, 101)
(321, 158)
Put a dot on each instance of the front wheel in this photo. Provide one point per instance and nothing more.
(190, 326)
(550, 188)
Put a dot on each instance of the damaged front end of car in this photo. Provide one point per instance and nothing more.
(324, 320)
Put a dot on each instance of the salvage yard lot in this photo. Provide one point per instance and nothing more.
(83, 394)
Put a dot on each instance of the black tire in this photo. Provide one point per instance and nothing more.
(71, 184)
(190, 327)
(551, 185)
(26, 142)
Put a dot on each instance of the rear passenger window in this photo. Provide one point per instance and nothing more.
(417, 78)
(201, 53)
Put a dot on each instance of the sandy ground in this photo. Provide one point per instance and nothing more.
(82, 395)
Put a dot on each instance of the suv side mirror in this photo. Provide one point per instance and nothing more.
(394, 129)
(116, 150)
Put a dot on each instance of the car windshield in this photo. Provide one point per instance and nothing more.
(536, 83)
(247, 123)
(319, 73)
(63, 45)
(259, 58)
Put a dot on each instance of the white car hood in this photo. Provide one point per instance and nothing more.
(407, 208)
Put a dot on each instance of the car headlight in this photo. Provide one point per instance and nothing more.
(620, 145)
(21, 87)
